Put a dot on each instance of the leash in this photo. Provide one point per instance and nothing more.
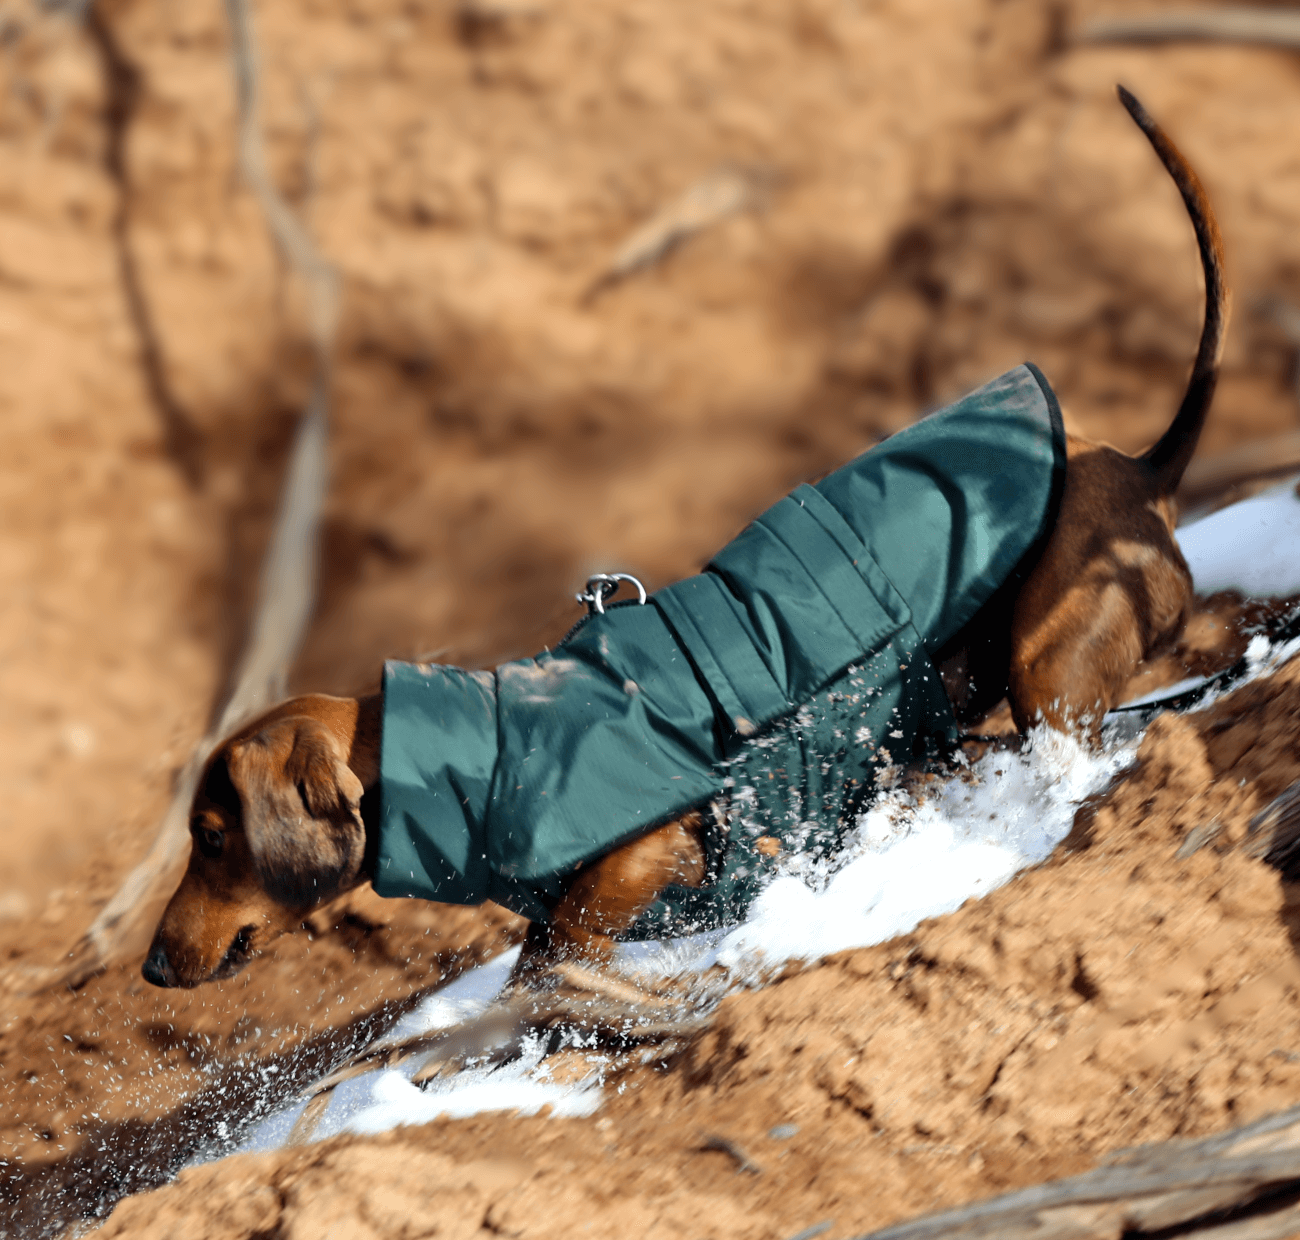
(1188, 698)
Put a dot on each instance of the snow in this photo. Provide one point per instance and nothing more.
(1253, 546)
(385, 1099)
(906, 860)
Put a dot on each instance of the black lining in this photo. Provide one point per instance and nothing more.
(1058, 463)
(988, 631)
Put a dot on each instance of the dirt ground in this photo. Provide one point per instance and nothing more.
(936, 191)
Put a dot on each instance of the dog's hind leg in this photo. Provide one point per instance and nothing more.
(1110, 589)
(608, 895)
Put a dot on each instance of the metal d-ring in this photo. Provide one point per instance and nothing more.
(603, 586)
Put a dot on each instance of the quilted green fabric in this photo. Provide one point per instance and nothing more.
(778, 683)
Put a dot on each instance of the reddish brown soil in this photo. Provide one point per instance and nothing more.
(949, 188)
(1115, 995)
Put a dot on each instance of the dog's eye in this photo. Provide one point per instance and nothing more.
(210, 842)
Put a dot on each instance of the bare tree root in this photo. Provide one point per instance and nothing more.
(1240, 1185)
(287, 588)
(1267, 27)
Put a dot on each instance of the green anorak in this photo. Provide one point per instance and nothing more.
(777, 685)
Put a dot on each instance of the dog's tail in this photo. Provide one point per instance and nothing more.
(1169, 456)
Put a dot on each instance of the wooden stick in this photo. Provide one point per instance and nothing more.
(607, 1007)
(1264, 27)
(1254, 1171)
(724, 192)
(1273, 835)
(725, 1145)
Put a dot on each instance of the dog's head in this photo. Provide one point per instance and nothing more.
(275, 831)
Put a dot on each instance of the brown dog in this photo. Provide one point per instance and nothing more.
(283, 822)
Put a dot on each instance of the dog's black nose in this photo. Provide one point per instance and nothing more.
(157, 968)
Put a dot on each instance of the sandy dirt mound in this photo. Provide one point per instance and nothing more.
(1135, 988)
(935, 192)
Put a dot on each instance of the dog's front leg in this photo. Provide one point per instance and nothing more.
(608, 895)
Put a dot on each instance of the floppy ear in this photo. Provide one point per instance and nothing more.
(301, 808)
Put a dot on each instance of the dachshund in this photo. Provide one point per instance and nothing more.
(285, 817)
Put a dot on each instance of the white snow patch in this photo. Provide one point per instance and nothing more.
(468, 996)
(1253, 546)
(522, 1086)
(908, 861)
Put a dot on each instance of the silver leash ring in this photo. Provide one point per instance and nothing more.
(603, 586)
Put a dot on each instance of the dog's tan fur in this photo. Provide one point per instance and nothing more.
(276, 829)
(280, 823)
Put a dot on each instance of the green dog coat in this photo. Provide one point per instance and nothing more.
(776, 685)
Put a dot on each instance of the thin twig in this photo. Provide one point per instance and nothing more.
(724, 192)
(585, 1002)
(1282, 314)
(1286, 318)
(1274, 457)
(293, 239)
(725, 1145)
(815, 1230)
(1265, 27)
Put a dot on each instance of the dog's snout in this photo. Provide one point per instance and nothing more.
(157, 969)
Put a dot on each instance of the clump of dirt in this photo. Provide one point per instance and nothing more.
(946, 190)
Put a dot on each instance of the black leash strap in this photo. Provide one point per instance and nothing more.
(1188, 698)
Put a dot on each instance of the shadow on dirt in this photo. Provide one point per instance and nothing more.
(117, 1159)
(182, 440)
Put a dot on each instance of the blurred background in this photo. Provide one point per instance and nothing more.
(615, 275)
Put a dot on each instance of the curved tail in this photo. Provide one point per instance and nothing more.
(1169, 456)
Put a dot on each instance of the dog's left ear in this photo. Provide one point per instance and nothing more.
(301, 809)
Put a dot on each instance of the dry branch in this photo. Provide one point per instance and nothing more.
(1274, 833)
(578, 1009)
(1241, 1185)
(287, 586)
(1285, 318)
(1209, 477)
(1265, 27)
(293, 239)
(724, 192)
(584, 1003)
(725, 1145)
